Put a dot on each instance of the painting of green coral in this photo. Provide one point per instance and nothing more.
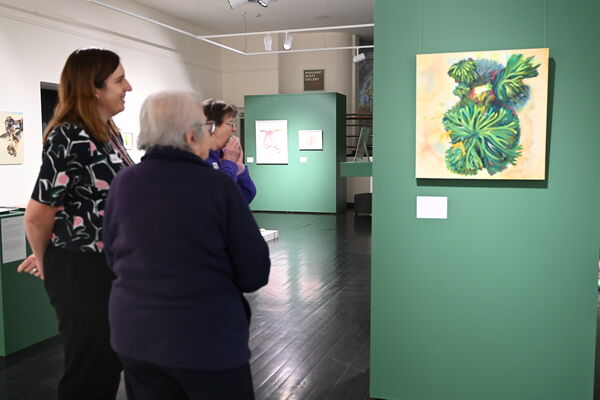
(482, 115)
(483, 126)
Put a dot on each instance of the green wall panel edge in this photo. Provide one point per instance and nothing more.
(498, 301)
(2, 324)
(26, 317)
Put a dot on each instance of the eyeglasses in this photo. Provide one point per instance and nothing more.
(231, 123)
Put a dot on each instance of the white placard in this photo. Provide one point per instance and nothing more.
(13, 239)
(303, 160)
(249, 160)
(432, 207)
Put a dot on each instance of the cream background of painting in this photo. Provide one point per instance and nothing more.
(434, 98)
(6, 158)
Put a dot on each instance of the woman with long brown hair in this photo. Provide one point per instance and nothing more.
(82, 153)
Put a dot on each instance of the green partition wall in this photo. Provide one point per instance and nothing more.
(498, 301)
(26, 316)
(314, 186)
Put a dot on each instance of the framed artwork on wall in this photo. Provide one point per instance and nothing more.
(271, 142)
(310, 140)
(482, 114)
(11, 137)
(127, 140)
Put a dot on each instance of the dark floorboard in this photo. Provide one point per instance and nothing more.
(310, 325)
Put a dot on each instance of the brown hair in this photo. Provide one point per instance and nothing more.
(218, 110)
(84, 71)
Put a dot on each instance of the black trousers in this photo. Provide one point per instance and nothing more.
(78, 285)
(146, 381)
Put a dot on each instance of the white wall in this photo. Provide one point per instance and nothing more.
(249, 75)
(336, 63)
(283, 73)
(36, 36)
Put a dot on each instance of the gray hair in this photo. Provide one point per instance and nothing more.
(167, 116)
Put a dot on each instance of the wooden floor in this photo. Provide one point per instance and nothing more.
(310, 324)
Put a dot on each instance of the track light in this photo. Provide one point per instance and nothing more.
(236, 3)
(358, 58)
(268, 42)
(264, 3)
(287, 43)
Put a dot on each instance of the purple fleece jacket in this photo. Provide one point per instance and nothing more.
(230, 168)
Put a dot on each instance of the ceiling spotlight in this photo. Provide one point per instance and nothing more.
(236, 3)
(358, 58)
(287, 43)
(264, 3)
(268, 42)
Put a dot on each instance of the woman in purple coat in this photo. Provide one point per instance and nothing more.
(226, 153)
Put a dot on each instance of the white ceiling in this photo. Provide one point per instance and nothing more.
(217, 17)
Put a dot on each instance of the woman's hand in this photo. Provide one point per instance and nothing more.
(31, 266)
(240, 162)
(232, 149)
(39, 223)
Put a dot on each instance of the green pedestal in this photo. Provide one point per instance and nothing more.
(356, 169)
(26, 317)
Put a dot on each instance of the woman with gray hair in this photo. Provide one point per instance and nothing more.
(184, 248)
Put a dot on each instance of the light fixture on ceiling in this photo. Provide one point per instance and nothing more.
(358, 57)
(287, 43)
(212, 39)
(264, 3)
(268, 40)
(236, 3)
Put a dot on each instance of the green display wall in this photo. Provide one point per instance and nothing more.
(498, 301)
(26, 316)
(314, 186)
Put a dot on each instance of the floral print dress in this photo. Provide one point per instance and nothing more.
(75, 176)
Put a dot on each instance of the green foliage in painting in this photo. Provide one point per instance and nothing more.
(483, 127)
(461, 90)
(481, 137)
(509, 82)
(464, 71)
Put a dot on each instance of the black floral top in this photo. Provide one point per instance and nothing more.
(75, 175)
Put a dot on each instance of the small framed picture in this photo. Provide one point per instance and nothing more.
(310, 140)
(127, 140)
(271, 142)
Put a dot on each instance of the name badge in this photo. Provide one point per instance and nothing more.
(215, 165)
(114, 158)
